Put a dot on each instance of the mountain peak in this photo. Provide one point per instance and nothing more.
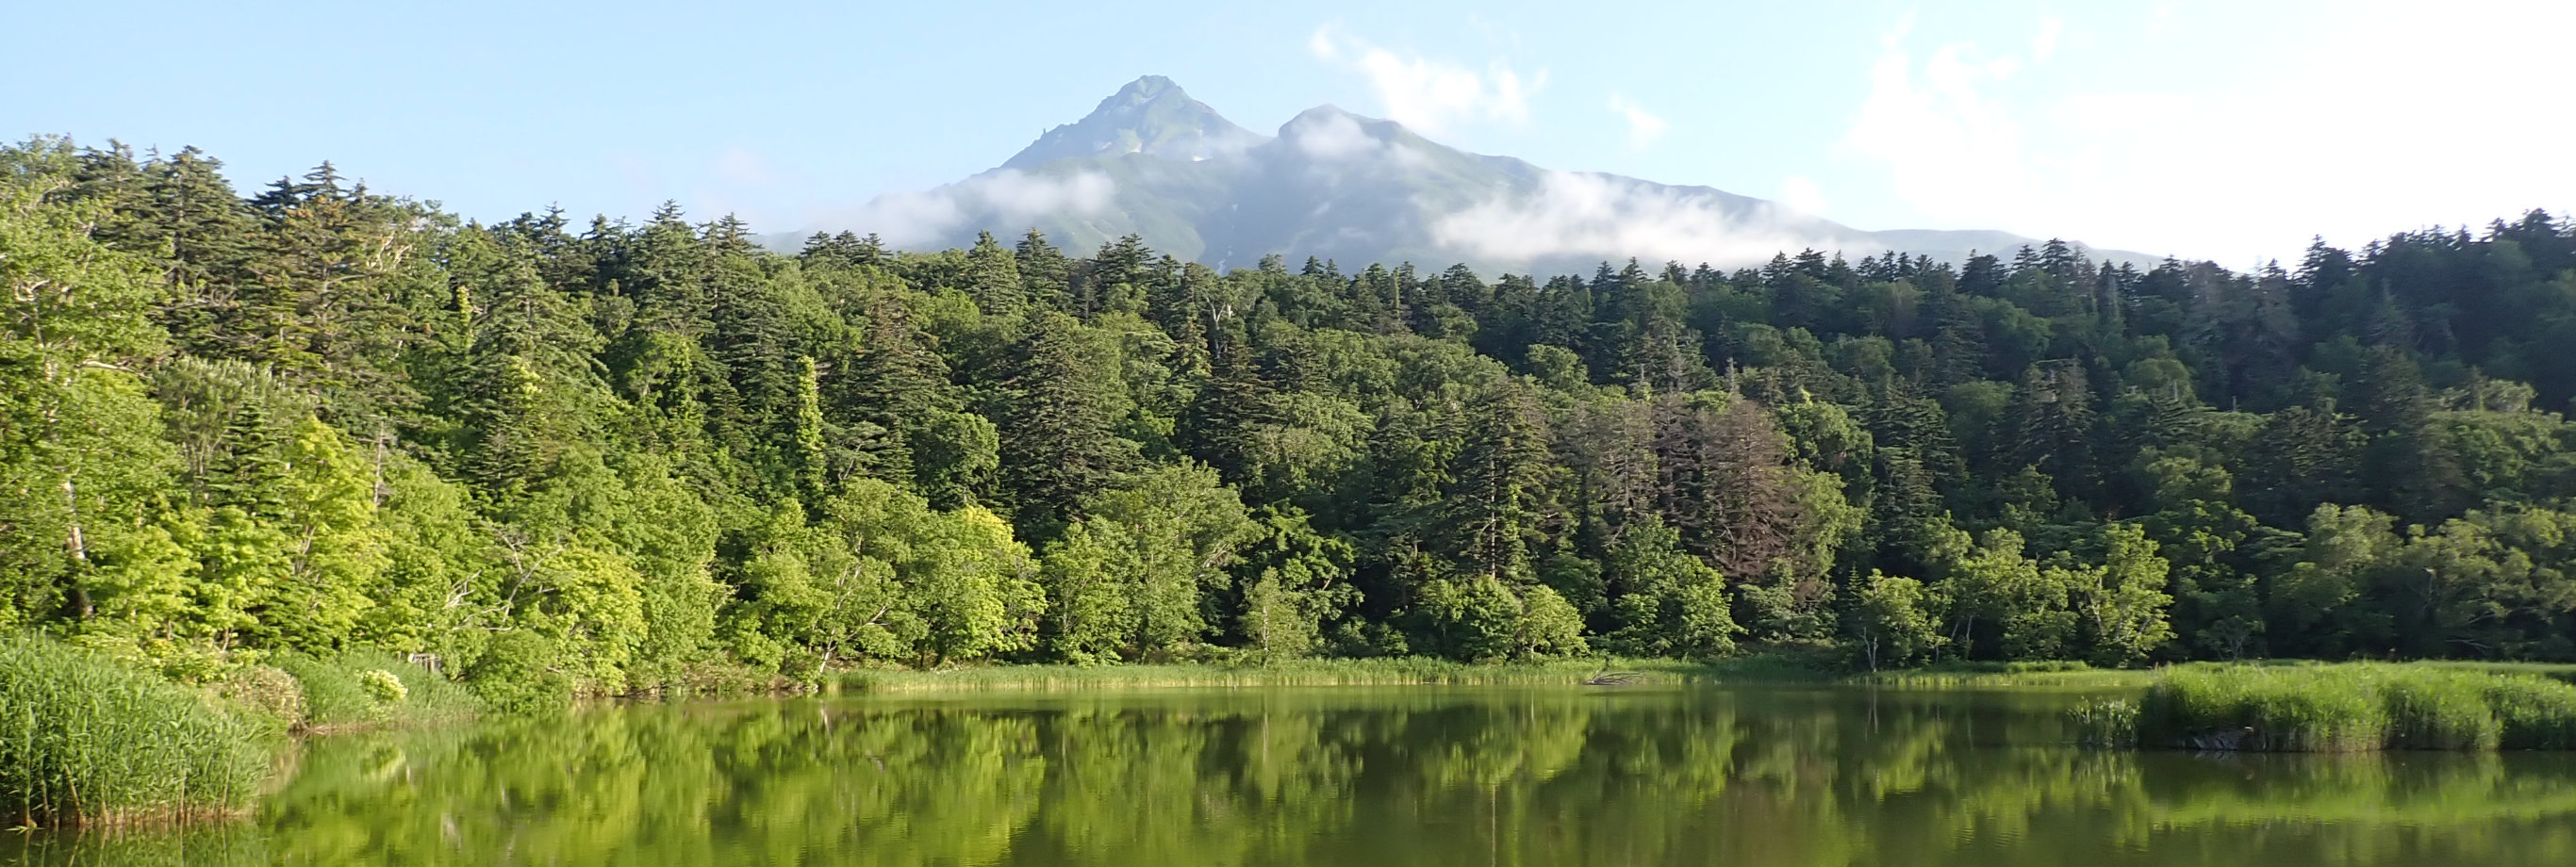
(1331, 132)
(1150, 115)
(1146, 87)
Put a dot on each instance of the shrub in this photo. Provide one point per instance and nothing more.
(332, 696)
(374, 688)
(85, 739)
(417, 694)
(514, 674)
(385, 686)
(369, 687)
(265, 691)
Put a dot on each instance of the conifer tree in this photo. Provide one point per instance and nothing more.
(1058, 438)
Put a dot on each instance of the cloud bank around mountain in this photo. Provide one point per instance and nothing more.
(913, 219)
(1583, 214)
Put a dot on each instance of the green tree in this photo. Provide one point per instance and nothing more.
(1894, 620)
(1670, 603)
(335, 546)
(2123, 601)
(975, 589)
(2312, 608)
(82, 464)
(1087, 574)
(1058, 421)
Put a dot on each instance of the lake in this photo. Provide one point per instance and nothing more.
(1746, 777)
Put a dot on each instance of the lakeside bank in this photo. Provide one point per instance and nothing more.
(94, 739)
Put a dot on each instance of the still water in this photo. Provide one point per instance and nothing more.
(1383, 776)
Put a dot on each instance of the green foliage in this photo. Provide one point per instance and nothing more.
(359, 688)
(1894, 621)
(1150, 554)
(2105, 723)
(2361, 706)
(2294, 710)
(2533, 714)
(609, 460)
(1669, 602)
(92, 741)
(514, 674)
(385, 686)
(2123, 602)
(1549, 626)
(1470, 620)
(1382, 671)
(332, 696)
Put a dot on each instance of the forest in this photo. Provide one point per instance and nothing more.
(600, 457)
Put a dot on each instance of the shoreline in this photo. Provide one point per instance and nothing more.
(1783, 668)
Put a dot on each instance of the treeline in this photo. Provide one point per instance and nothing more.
(602, 456)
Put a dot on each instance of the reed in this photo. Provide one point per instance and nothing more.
(2355, 707)
(2533, 714)
(88, 740)
(2105, 723)
(2074, 676)
(361, 688)
(1329, 672)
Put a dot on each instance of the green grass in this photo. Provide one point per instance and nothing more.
(360, 688)
(2105, 723)
(88, 740)
(2012, 675)
(1330, 672)
(2357, 706)
(2533, 714)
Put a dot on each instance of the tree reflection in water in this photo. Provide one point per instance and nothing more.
(1358, 777)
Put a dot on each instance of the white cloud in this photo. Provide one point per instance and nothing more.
(2394, 117)
(1016, 195)
(739, 166)
(1008, 197)
(1426, 94)
(1322, 44)
(1592, 215)
(1952, 150)
(1644, 127)
(2044, 46)
(1330, 136)
(1799, 194)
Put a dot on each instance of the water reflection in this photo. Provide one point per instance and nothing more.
(1359, 777)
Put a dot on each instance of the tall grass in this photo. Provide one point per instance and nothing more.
(1411, 671)
(2010, 675)
(87, 740)
(2105, 723)
(2361, 706)
(359, 688)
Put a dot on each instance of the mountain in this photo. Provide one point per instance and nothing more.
(1151, 161)
(1151, 116)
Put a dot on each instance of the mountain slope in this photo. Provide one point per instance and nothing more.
(1151, 115)
(1332, 184)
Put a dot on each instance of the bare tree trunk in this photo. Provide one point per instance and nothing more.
(78, 545)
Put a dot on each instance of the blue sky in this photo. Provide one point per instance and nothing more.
(2229, 130)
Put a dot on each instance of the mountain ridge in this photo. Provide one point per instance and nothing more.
(1150, 115)
(1149, 160)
